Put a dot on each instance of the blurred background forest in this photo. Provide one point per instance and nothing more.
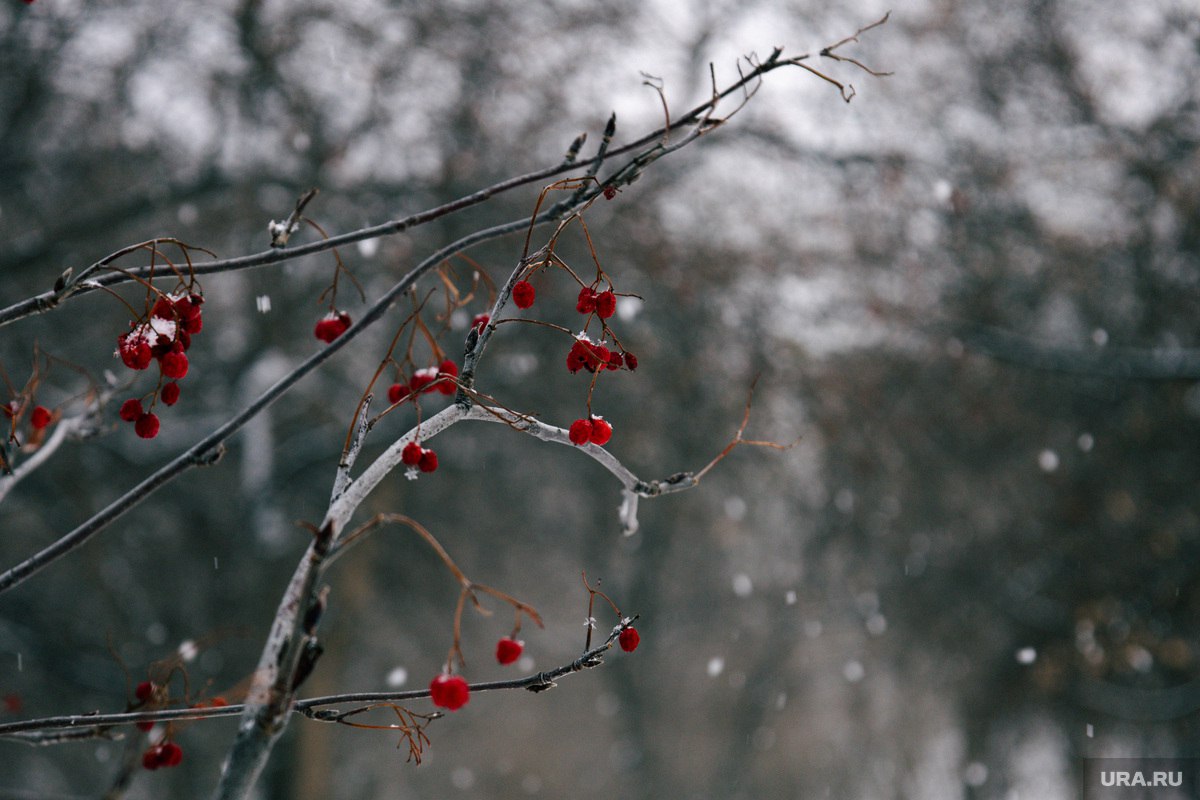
(972, 292)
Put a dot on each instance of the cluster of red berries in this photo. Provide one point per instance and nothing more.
(423, 381)
(595, 430)
(165, 336)
(594, 356)
(163, 754)
(602, 304)
(332, 325)
(424, 459)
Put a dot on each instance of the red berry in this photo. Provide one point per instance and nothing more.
(606, 304)
(580, 431)
(601, 431)
(428, 462)
(448, 367)
(146, 726)
(587, 301)
(615, 361)
(449, 691)
(131, 409)
(135, 353)
(508, 650)
(163, 308)
(397, 392)
(411, 454)
(218, 702)
(629, 640)
(523, 294)
(480, 322)
(144, 691)
(169, 393)
(150, 758)
(39, 418)
(170, 754)
(421, 380)
(630, 361)
(610, 192)
(174, 365)
(332, 325)
(146, 426)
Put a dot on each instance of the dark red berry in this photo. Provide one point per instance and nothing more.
(135, 353)
(144, 691)
(449, 691)
(146, 426)
(610, 192)
(397, 392)
(630, 361)
(332, 325)
(428, 462)
(615, 361)
(131, 409)
(170, 754)
(169, 393)
(601, 431)
(629, 640)
(606, 305)
(523, 294)
(145, 726)
(411, 454)
(39, 418)
(587, 301)
(163, 308)
(508, 650)
(580, 431)
(150, 758)
(174, 365)
(449, 368)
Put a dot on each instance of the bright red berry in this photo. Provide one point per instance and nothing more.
(629, 640)
(449, 691)
(523, 294)
(39, 418)
(163, 308)
(580, 431)
(421, 380)
(397, 392)
(131, 409)
(169, 393)
(480, 322)
(428, 462)
(601, 431)
(146, 426)
(411, 454)
(606, 304)
(175, 365)
(508, 650)
(587, 301)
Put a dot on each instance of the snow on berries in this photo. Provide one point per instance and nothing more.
(629, 639)
(165, 335)
(509, 650)
(523, 294)
(163, 754)
(332, 325)
(586, 354)
(449, 691)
